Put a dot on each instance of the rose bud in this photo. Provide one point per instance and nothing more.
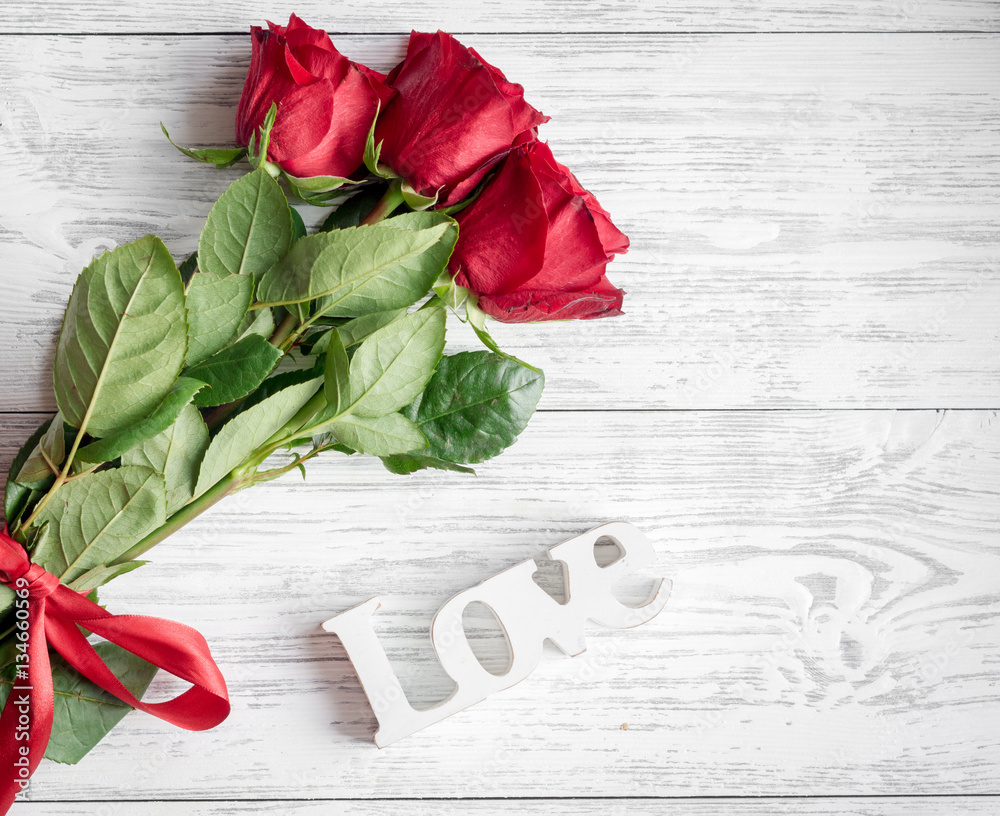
(453, 117)
(326, 103)
(535, 245)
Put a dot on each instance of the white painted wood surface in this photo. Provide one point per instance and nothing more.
(923, 806)
(814, 224)
(813, 218)
(556, 16)
(833, 627)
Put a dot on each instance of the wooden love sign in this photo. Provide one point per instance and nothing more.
(528, 615)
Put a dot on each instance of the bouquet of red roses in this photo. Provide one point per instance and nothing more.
(180, 385)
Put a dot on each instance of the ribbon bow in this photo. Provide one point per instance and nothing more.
(55, 614)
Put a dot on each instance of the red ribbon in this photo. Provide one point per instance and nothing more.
(55, 614)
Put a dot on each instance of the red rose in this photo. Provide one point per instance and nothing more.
(326, 103)
(535, 245)
(454, 116)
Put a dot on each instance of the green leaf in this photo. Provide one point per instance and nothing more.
(123, 338)
(415, 200)
(54, 441)
(403, 464)
(97, 518)
(361, 328)
(99, 576)
(363, 269)
(84, 712)
(379, 436)
(355, 331)
(48, 454)
(337, 375)
(477, 319)
(235, 371)
(15, 497)
(216, 306)
(111, 447)
(282, 380)
(259, 322)
(353, 211)
(247, 431)
(257, 153)
(176, 453)
(188, 267)
(318, 190)
(248, 229)
(394, 364)
(373, 152)
(475, 406)
(298, 225)
(415, 221)
(451, 294)
(221, 157)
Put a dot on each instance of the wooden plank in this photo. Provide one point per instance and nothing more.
(813, 218)
(630, 16)
(860, 806)
(833, 629)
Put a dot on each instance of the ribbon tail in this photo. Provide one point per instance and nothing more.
(26, 722)
(173, 647)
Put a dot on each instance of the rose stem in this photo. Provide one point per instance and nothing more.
(389, 202)
(214, 494)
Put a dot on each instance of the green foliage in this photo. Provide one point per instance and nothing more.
(123, 338)
(337, 375)
(403, 464)
(317, 190)
(475, 406)
(129, 458)
(353, 211)
(16, 494)
(363, 269)
(84, 712)
(111, 447)
(221, 157)
(259, 321)
(298, 225)
(46, 457)
(98, 517)
(176, 453)
(379, 436)
(216, 306)
(249, 430)
(248, 229)
(393, 364)
(235, 371)
(99, 576)
(355, 331)
(188, 267)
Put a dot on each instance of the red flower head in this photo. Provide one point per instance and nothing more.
(454, 116)
(326, 103)
(535, 245)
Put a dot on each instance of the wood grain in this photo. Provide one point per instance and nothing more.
(940, 806)
(556, 16)
(833, 628)
(813, 219)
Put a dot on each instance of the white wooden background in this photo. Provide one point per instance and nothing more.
(799, 409)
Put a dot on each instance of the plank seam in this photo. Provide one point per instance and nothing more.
(654, 33)
(719, 797)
